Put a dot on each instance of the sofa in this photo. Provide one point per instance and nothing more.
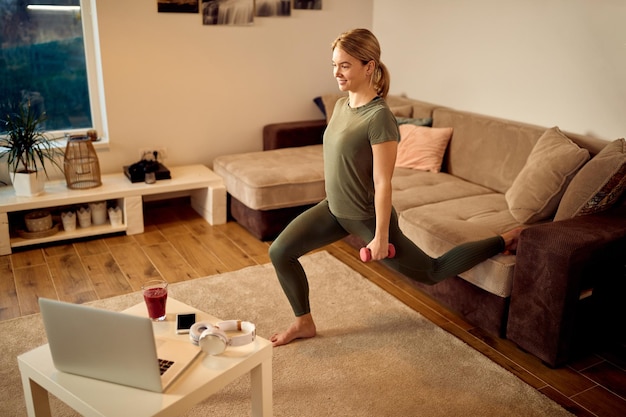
(462, 176)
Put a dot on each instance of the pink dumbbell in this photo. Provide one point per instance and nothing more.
(366, 254)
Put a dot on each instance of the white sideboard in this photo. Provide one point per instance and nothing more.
(207, 191)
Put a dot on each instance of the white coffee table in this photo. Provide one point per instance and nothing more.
(205, 376)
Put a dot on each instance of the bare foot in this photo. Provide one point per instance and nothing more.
(511, 239)
(302, 328)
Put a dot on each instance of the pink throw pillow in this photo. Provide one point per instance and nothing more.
(422, 147)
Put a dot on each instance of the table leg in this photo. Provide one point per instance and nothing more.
(5, 237)
(210, 203)
(261, 381)
(36, 397)
(133, 213)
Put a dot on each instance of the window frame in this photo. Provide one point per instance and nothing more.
(95, 79)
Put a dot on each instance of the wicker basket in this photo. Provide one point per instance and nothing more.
(82, 169)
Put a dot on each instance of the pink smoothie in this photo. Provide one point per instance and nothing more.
(155, 301)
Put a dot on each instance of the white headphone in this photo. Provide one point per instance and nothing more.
(212, 339)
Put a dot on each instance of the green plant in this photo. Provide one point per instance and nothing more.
(24, 143)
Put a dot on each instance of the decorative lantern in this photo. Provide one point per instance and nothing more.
(82, 169)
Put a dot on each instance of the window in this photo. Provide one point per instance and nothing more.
(49, 57)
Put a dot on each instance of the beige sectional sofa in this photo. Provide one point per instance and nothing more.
(494, 175)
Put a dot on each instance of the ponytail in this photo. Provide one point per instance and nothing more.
(380, 79)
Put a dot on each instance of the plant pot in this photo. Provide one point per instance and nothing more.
(28, 184)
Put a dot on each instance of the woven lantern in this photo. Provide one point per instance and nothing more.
(82, 169)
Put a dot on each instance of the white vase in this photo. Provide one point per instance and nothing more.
(115, 215)
(28, 184)
(69, 221)
(84, 216)
(98, 212)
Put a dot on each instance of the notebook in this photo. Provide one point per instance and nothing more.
(111, 346)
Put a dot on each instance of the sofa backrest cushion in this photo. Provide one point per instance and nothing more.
(486, 150)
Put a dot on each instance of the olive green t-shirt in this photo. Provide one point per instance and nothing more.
(348, 160)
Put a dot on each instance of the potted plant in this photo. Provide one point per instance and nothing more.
(27, 149)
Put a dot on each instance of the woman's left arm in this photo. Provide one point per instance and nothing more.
(384, 161)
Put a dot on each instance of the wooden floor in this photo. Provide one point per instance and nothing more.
(179, 245)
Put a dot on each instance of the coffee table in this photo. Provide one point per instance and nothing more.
(204, 377)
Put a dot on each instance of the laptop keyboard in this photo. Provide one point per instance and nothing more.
(164, 365)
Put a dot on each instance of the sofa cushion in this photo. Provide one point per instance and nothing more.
(437, 228)
(278, 178)
(422, 147)
(485, 150)
(419, 121)
(423, 109)
(536, 192)
(413, 188)
(598, 184)
(402, 111)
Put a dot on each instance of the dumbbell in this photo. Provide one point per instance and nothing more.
(366, 254)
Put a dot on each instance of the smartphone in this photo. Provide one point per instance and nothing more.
(184, 322)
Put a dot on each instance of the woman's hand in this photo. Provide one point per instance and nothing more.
(379, 249)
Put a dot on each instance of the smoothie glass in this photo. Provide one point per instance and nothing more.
(155, 295)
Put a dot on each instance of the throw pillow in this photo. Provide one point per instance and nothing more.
(538, 188)
(422, 147)
(598, 185)
(329, 101)
(320, 104)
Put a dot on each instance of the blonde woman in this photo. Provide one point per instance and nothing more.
(360, 144)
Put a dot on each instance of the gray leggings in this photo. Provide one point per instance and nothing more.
(318, 227)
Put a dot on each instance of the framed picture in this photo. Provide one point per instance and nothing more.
(177, 6)
(307, 4)
(265, 8)
(228, 12)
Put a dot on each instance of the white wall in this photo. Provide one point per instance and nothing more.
(203, 91)
(546, 62)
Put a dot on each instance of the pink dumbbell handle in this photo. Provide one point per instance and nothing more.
(366, 254)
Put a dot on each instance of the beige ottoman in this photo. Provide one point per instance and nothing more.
(269, 188)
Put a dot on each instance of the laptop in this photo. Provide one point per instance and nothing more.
(111, 346)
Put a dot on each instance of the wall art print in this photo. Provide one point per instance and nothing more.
(266, 8)
(228, 12)
(236, 12)
(177, 6)
(307, 4)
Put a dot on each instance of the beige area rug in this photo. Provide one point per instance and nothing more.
(373, 355)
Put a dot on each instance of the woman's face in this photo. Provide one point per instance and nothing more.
(350, 73)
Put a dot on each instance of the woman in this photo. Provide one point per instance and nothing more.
(360, 144)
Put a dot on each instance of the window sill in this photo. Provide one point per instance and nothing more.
(102, 144)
